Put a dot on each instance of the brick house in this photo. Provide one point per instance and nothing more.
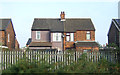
(7, 35)
(114, 32)
(63, 33)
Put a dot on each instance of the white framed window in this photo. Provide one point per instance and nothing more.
(88, 35)
(69, 36)
(56, 36)
(8, 37)
(38, 35)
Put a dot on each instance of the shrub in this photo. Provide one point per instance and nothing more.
(81, 66)
(112, 45)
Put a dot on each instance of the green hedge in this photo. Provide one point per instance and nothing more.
(82, 66)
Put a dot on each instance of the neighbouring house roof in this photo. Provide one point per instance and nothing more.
(29, 41)
(56, 25)
(40, 44)
(4, 23)
(86, 44)
(115, 22)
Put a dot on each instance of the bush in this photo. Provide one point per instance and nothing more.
(112, 45)
(82, 66)
(25, 66)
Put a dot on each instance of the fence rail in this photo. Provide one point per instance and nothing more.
(8, 58)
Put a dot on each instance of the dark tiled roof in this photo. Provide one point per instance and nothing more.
(4, 23)
(86, 44)
(40, 44)
(117, 21)
(51, 24)
(69, 25)
(29, 41)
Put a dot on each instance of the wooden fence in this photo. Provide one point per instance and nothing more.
(8, 58)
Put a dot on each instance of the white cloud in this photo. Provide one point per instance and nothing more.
(59, 0)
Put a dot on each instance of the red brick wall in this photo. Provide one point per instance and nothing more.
(67, 44)
(87, 48)
(81, 36)
(16, 45)
(2, 37)
(10, 31)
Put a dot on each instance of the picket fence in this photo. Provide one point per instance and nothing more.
(8, 58)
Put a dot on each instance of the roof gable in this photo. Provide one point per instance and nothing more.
(116, 23)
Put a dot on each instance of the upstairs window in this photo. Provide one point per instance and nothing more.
(69, 36)
(8, 37)
(88, 35)
(56, 36)
(38, 35)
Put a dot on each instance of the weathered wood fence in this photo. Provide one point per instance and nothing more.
(8, 58)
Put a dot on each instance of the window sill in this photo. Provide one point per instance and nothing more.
(37, 39)
(69, 41)
(56, 41)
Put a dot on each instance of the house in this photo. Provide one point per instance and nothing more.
(114, 32)
(63, 33)
(7, 35)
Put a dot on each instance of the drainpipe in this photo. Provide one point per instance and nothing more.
(63, 36)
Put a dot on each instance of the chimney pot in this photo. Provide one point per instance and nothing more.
(62, 15)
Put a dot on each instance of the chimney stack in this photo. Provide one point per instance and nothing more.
(62, 16)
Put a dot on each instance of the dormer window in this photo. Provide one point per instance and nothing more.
(38, 35)
(88, 35)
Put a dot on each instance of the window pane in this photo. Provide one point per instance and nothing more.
(71, 36)
(37, 34)
(88, 36)
(59, 36)
(54, 36)
(67, 38)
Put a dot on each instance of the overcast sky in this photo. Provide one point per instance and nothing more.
(23, 12)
